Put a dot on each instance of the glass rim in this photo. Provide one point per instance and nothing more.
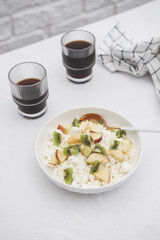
(45, 74)
(94, 39)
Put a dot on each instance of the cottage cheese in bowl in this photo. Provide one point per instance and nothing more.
(88, 157)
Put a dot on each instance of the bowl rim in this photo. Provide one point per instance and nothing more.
(85, 189)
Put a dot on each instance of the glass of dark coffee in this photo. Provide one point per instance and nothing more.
(29, 88)
(78, 52)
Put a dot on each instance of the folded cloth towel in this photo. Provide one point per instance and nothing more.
(118, 52)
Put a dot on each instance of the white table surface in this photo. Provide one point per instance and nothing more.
(32, 207)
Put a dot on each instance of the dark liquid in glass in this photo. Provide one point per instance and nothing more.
(34, 104)
(28, 81)
(79, 67)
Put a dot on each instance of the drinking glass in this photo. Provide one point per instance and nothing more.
(78, 53)
(29, 88)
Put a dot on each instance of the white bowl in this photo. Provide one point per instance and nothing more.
(112, 119)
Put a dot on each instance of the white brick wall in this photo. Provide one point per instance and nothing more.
(24, 22)
(5, 28)
(94, 4)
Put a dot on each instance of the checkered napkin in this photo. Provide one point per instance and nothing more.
(118, 52)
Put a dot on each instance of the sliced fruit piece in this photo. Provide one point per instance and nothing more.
(53, 160)
(71, 150)
(94, 117)
(95, 128)
(67, 150)
(64, 128)
(85, 150)
(75, 122)
(57, 138)
(84, 126)
(117, 154)
(126, 145)
(120, 133)
(115, 145)
(68, 175)
(103, 175)
(85, 140)
(96, 156)
(60, 156)
(75, 138)
(96, 137)
(75, 149)
(95, 167)
(98, 148)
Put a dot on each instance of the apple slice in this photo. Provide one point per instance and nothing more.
(53, 160)
(64, 128)
(103, 175)
(96, 137)
(85, 150)
(96, 156)
(117, 154)
(95, 128)
(93, 117)
(84, 126)
(60, 156)
(75, 138)
(126, 145)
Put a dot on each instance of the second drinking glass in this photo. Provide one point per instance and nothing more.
(78, 52)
